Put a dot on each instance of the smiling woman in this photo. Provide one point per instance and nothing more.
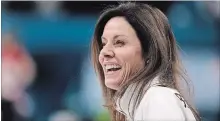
(119, 42)
(135, 55)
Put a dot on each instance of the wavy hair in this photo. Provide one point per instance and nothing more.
(159, 51)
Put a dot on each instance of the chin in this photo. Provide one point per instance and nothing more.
(112, 84)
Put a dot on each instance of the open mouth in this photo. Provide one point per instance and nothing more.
(112, 68)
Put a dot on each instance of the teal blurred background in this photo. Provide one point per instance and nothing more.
(57, 36)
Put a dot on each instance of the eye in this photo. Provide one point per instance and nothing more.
(103, 44)
(119, 43)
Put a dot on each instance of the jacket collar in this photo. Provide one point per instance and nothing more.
(123, 106)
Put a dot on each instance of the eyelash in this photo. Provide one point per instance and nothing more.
(119, 43)
(103, 44)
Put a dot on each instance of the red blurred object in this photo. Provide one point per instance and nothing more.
(18, 68)
(12, 51)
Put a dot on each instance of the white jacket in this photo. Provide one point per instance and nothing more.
(158, 104)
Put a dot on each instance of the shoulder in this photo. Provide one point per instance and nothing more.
(163, 103)
(158, 95)
(160, 91)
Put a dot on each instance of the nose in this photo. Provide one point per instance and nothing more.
(107, 52)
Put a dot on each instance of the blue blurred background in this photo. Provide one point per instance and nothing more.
(57, 35)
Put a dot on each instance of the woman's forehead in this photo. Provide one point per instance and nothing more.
(117, 26)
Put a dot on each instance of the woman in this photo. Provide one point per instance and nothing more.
(135, 56)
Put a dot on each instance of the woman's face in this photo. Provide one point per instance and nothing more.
(121, 47)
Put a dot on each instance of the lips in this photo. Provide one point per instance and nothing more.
(111, 68)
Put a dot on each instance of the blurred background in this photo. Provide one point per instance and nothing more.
(46, 70)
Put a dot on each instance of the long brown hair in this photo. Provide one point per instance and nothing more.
(159, 51)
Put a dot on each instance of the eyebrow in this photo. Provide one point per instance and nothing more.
(116, 36)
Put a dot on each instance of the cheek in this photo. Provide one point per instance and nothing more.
(101, 59)
(139, 55)
(131, 56)
(135, 58)
(139, 58)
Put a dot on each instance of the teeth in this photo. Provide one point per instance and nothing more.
(111, 66)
